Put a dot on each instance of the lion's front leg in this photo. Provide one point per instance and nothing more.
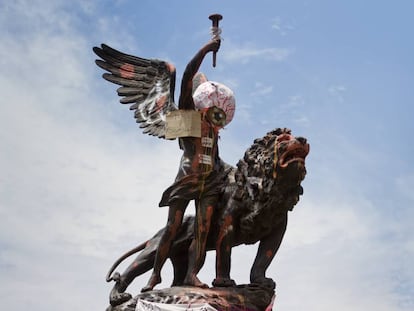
(267, 249)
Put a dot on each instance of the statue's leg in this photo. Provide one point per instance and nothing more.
(197, 251)
(223, 252)
(180, 266)
(175, 217)
(265, 253)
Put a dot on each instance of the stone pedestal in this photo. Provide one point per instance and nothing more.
(242, 297)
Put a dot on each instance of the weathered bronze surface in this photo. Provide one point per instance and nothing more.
(149, 84)
(253, 207)
(234, 205)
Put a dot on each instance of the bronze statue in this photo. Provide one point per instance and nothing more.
(253, 207)
(149, 84)
(234, 206)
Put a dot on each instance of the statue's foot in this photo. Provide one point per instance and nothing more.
(154, 280)
(193, 280)
(116, 298)
(223, 282)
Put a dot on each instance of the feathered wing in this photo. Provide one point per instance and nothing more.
(147, 84)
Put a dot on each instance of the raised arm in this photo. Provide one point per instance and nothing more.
(186, 98)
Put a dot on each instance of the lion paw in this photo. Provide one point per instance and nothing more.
(116, 298)
(265, 282)
(154, 280)
(223, 282)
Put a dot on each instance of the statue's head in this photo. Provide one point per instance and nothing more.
(217, 100)
(273, 165)
(289, 155)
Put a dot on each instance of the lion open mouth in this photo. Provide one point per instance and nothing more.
(296, 152)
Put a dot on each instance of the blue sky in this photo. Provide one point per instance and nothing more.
(80, 184)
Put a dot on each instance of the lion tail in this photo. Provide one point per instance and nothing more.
(115, 277)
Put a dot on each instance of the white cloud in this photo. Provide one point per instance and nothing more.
(244, 53)
(338, 91)
(336, 247)
(405, 186)
(295, 101)
(261, 90)
(281, 27)
(74, 186)
(80, 184)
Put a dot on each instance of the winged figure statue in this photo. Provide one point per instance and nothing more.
(147, 85)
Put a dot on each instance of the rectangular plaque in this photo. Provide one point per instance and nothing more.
(207, 142)
(205, 159)
(183, 123)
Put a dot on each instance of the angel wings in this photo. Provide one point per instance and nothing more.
(147, 84)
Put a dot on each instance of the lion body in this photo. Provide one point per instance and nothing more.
(258, 196)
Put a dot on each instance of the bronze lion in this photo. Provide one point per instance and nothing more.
(254, 206)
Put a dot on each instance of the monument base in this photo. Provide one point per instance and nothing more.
(242, 297)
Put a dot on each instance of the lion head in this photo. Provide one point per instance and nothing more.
(269, 178)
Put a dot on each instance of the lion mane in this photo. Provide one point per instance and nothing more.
(261, 191)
